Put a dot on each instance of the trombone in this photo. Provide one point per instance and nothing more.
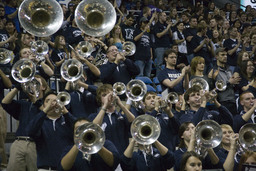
(119, 88)
(145, 130)
(95, 17)
(89, 138)
(40, 18)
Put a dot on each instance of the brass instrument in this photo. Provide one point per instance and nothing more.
(172, 98)
(5, 56)
(84, 48)
(89, 139)
(40, 48)
(136, 90)
(145, 130)
(71, 70)
(200, 82)
(208, 135)
(40, 18)
(63, 98)
(95, 17)
(119, 88)
(23, 70)
(247, 137)
(128, 48)
(31, 87)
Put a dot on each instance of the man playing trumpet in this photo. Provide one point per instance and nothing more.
(196, 101)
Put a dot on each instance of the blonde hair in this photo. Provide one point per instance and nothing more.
(195, 61)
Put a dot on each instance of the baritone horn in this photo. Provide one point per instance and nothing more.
(136, 90)
(23, 70)
(208, 134)
(247, 137)
(128, 48)
(40, 18)
(119, 88)
(145, 130)
(95, 17)
(89, 138)
(84, 48)
(200, 82)
(71, 70)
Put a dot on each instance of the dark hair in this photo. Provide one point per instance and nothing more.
(167, 52)
(182, 129)
(201, 27)
(49, 93)
(130, 16)
(148, 93)
(244, 67)
(185, 158)
(103, 89)
(194, 89)
(78, 120)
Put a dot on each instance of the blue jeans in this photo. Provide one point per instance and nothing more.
(190, 57)
(159, 55)
(145, 67)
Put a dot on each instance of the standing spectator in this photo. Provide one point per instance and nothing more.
(179, 39)
(202, 46)
(171, 79)
(11, 11)
(143, 55)
(163, 33)
(189, 33)
(128, 28)
(116, 38)
(222, 72)
(233, 45)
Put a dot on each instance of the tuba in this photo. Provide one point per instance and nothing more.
(23, 70)
(136, 90)
(145, 130)
(40, 18)
(128, 48)
(200, 82)
(208, 135)
(95, 17)
(89, 139)
(84, 48)
(119, 88)
(71, 70)
(5, 56)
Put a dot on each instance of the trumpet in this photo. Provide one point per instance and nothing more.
(71, 70)
(247, 137)
(40, 48)
(119, 88)
(220, 85)
(23, 70)
(5, 56)
(128, 48)
(136, 90)
(172, 98)
(208, 135)
(145, 130)
(89, 139)
(40, 18)
(85, 48)
(95, 17)
(63, 98)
